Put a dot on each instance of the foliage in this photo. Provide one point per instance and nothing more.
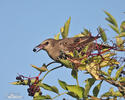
(93, 64)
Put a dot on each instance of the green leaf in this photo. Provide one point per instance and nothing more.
(112, 93)
(104, 73)
(111, 19)
(56, 37)
(97, 89)
(43, 97)
(73, 94)
(62, 84)
(64, 30)
(122, 27)
(74, 73)
(76, 90)
(41, 69)
(108, 19)
(37, 94)
(118, 73)
(122, 79)
(119, 42)
(103, 34)
(75, 53)
(66, 63)
(107, 94)
(89, 82)
(86, 32)
(111, 69)
(121, 34)
(108, 61)
(114, 28)
(48, 87)
(79, 35)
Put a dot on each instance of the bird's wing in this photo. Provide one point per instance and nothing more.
(75, 43)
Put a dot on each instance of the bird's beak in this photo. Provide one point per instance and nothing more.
(38, 48)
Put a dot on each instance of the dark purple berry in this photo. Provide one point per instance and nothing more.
(117, 66)
(29, 90)
(40, 93)
(120, 75)
(22, 80)
(18, 78)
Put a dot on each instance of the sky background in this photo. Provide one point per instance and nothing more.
(26, 23)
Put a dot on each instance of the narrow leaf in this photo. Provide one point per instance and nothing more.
(66, 63)
(79, 35)
(97, 89)
(73, 95)
(48, 87)
(86, 32)
(76, 90)
(119, 42)
(74, 73)
(41, 69)
(114, 28)
(111, 68)
(121, 34)
(89, 82)
(104, 73)
(103, 34)
(122, 79)
(57, 36)
(111, 18)
(118, 73)
(75, 53)
(64, 30)
(112, 93)
(62, 84)
(122, 27)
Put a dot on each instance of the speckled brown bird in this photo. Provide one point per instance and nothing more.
(54, 47)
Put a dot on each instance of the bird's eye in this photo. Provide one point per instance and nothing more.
(46, 43)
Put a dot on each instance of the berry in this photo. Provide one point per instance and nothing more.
(18, 78)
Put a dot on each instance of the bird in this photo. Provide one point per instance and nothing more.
(54, 47)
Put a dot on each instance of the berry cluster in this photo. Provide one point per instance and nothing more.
(33, 88)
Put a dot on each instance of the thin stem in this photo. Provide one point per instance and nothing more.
(77, 79)
(59, 95)
(50, 71)
(51, 63)
(115, 83)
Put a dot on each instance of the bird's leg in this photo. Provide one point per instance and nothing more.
(51, 63)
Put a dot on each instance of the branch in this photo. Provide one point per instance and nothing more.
(115, 83)
(50, 71)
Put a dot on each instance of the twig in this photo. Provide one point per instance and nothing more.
(59, 95)
(115, 83)
(50, 71)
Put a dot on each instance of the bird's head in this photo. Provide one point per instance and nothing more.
(45, 45)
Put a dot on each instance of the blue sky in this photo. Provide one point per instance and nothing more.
(25, 23)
